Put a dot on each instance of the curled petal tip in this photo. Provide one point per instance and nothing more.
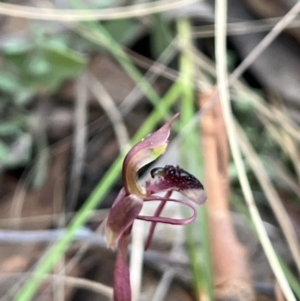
(196, 195)
(143, 153)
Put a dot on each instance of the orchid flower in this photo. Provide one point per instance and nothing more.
(129, 202)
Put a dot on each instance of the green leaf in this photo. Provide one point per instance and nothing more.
(18, 60)
(65, 61)
(39, 65)
(42, 70)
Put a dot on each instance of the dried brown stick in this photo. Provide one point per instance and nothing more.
(230, 266)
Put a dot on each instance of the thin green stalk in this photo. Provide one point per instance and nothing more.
(190, 154)
(95, 198)
(293, 281)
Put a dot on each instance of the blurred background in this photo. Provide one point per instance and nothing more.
(82, 80)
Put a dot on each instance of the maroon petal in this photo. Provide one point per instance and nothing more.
(122, 289)
(157, 213)
(121, 217)
(169, 220)
(143, 153)
(173, 178)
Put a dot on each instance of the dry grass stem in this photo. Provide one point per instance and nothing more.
(45, 195)
(79, 142)
(93, 286)
(110, 108)
(265, 42)
(165, 282)
(72, 15)
(132, 98)
(151, 75)
(271, 194)
(33, 221)
(156, 67)
(73, 262)
(286, 142)
(222, 79)
(240, 28)
(269, 112)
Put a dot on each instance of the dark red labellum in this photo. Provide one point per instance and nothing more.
(178, 176)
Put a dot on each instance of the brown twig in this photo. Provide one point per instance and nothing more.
(230, 267)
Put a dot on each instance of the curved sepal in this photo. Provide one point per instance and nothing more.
(122, 215)
(143, 153)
